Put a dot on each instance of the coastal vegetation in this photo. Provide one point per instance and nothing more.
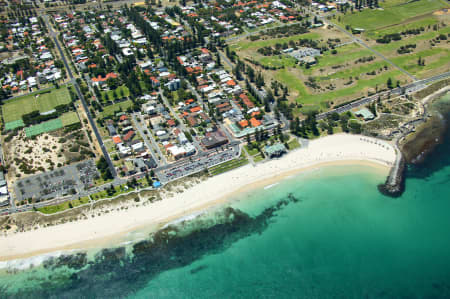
(227, 166)
(64, 206)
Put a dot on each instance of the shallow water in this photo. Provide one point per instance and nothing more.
(326, 233)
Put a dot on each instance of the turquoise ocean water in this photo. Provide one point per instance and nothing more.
(326, 233)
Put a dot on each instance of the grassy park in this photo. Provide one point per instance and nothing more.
(69, 118)
(42, 101)
(119, 92)
(392, 12)
(114, 108)
(352, 71)
(245, 45)
(319, 100)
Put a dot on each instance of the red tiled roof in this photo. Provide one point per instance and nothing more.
(101, 79)
(254, 122)
(231, 83)
(243, 123)
(117, 140)
(128, 136)
(196, 109)
(171, 123)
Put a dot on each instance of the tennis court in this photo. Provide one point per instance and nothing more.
(14, 125)
(44, 127)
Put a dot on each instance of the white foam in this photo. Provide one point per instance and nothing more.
(23, 264)
(270, 186)
(184, 218)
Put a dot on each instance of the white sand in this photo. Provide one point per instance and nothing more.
(213, 191)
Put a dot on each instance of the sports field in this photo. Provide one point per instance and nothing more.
(15, 108)
(391, 12)
(14, 125)
(69, 118)
(318, 101)
(43, 127)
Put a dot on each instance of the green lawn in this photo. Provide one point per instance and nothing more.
(394, 12)
(355, 71)
(117, 191)
(394, 45)
(69, 118)
(251, 152)
(345, 54)
(278, 61)
(429, 21)
(15, 108)
(112, 109)
(257, 158)
(409, 61)
(247, 44)
(64, 206)
(317, 100)
(293, 144)
(118, 90)
(229, 165)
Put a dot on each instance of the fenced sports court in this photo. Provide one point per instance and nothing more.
(44, 127)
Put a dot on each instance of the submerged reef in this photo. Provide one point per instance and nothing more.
(114, 273)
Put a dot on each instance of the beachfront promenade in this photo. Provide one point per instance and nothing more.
(339, 149)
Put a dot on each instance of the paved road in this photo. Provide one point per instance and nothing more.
(199, 98)
(181, 123)
(155, 145)
(199, 162)
(80, 95)
(138, 126)
(396, 91)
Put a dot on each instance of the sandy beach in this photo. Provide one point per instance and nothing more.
(335, 149)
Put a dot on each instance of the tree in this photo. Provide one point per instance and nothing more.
(149, 180)
(355, 127)
(259, 81)
(389, 83)
(219, 62)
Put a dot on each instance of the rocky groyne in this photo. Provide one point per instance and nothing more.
(414, 148)
(395, 181)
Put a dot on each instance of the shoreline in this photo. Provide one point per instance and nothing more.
(339, 149)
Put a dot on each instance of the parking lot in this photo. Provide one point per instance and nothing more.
(63, 181)
(199, 164)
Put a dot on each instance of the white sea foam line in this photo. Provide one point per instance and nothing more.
(23, 264)
(332, 148)
(270, 186)
(184, 218)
